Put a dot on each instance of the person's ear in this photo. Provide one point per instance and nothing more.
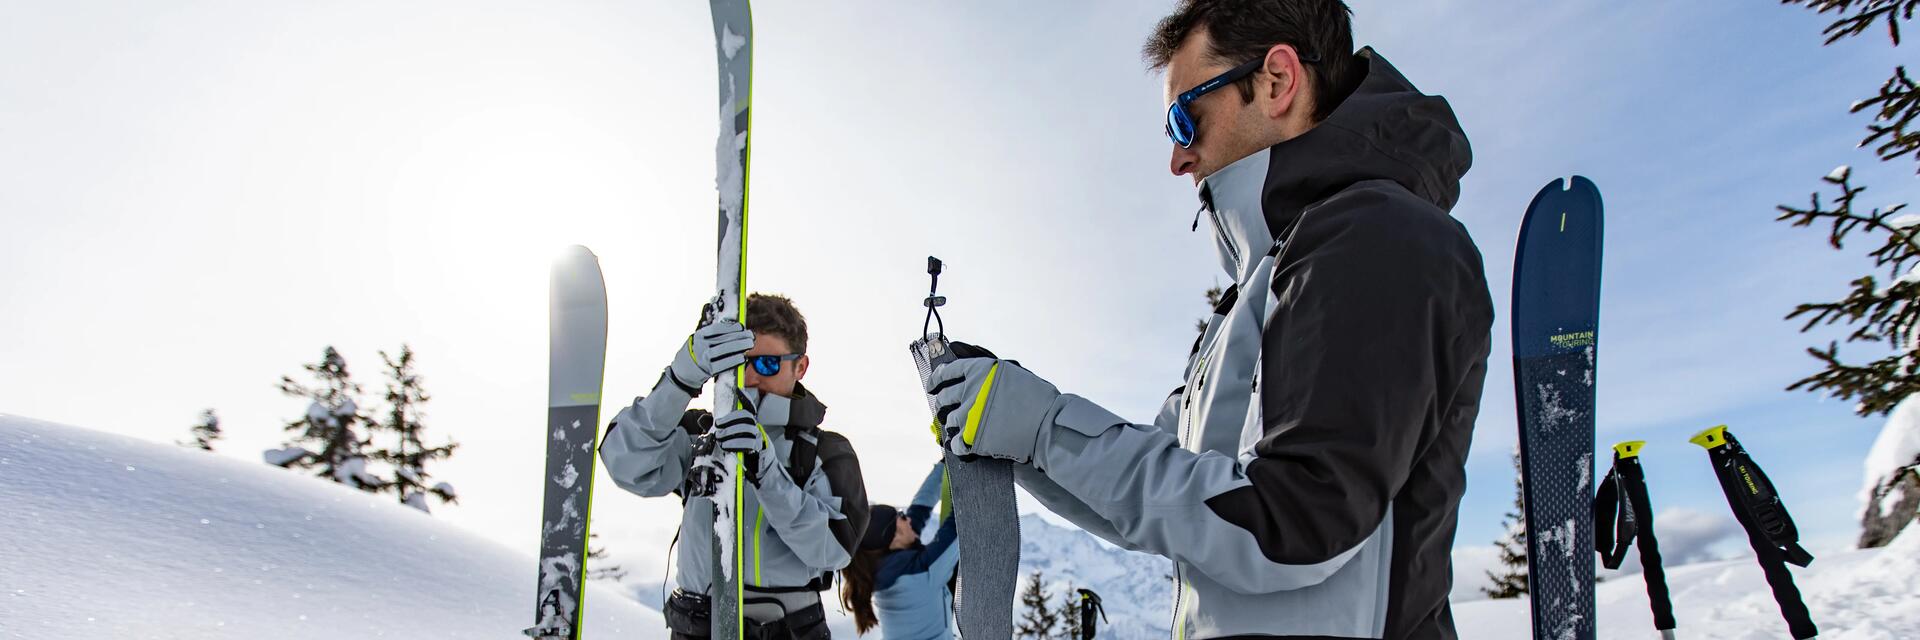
(1282, 83)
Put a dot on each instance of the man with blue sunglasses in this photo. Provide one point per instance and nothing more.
(1306, 479)
(806, 503)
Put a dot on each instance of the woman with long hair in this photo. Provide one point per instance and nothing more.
(895, 582)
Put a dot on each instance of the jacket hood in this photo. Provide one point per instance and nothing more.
(1384, 130)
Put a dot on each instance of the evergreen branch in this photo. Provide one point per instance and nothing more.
(1902, 245)
(1866, 13)
(1878, 385)
(1898, 103)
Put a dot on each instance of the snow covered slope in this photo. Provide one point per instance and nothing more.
(1871, 594)
(110, 537)
(1854, 595)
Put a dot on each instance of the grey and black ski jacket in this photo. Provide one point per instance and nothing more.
(1306, 479)
(798, 530)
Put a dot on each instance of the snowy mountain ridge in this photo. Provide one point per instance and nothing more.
(1136, 589)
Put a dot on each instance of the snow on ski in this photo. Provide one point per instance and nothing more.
(1556, 313)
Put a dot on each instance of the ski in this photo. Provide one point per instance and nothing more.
(985, 513)
(576, 359)
(1556, 318)
(733, 48)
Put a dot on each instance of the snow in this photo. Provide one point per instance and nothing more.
(1839, 173)
(284, 457)
(353, 472)
(445, 489)
(1897, 447)
(110, 537)
(1136, 589)
(731, 42)
(1852, 595)
(416, 500)
(1905, 221)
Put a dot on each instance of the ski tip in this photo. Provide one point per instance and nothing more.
(1711, 437)
(1570, 184)
(1629, 449)
(574, 251)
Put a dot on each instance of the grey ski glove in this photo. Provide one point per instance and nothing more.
(738, 432)
(991, 407)
(710, 350)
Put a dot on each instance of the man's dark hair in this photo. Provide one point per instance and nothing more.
(775, 315)
(1243, 30)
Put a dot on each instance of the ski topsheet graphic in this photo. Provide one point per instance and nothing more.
(576, 358)
(733, 49)
(1556, 316)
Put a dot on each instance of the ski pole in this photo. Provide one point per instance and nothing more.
(1757, 506)
(1622, 516)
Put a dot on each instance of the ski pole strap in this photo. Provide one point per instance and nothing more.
(1613, 520)
(1623, 516)
(1751, 494)
(1769, 529)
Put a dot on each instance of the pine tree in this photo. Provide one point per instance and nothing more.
(205, 432)
(1069, 613)
(329, 430)
(403, 419)
(1511, 582)
(1887, 313)
(1038, 619)
(604, 571)
(1213, 302)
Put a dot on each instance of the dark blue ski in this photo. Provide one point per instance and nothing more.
(1556, 338)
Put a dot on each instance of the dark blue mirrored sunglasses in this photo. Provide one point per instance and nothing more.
(769, 365)
(1182, 126)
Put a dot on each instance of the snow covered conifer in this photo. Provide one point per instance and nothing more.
(403, 418)
(1511, 582)
(1877, 312)
(205, 432)
(330, 429)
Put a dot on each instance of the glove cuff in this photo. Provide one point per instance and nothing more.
(668, 399)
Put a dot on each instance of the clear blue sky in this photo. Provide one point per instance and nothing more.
(196, 197)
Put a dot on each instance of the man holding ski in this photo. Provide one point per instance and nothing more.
(1306, 479)
(805, 500)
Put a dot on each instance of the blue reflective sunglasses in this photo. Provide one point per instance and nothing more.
(1182, 126)
(769, 365)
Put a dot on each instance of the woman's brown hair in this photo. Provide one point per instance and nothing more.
(856, 588)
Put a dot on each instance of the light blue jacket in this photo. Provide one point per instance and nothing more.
(911, 597)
